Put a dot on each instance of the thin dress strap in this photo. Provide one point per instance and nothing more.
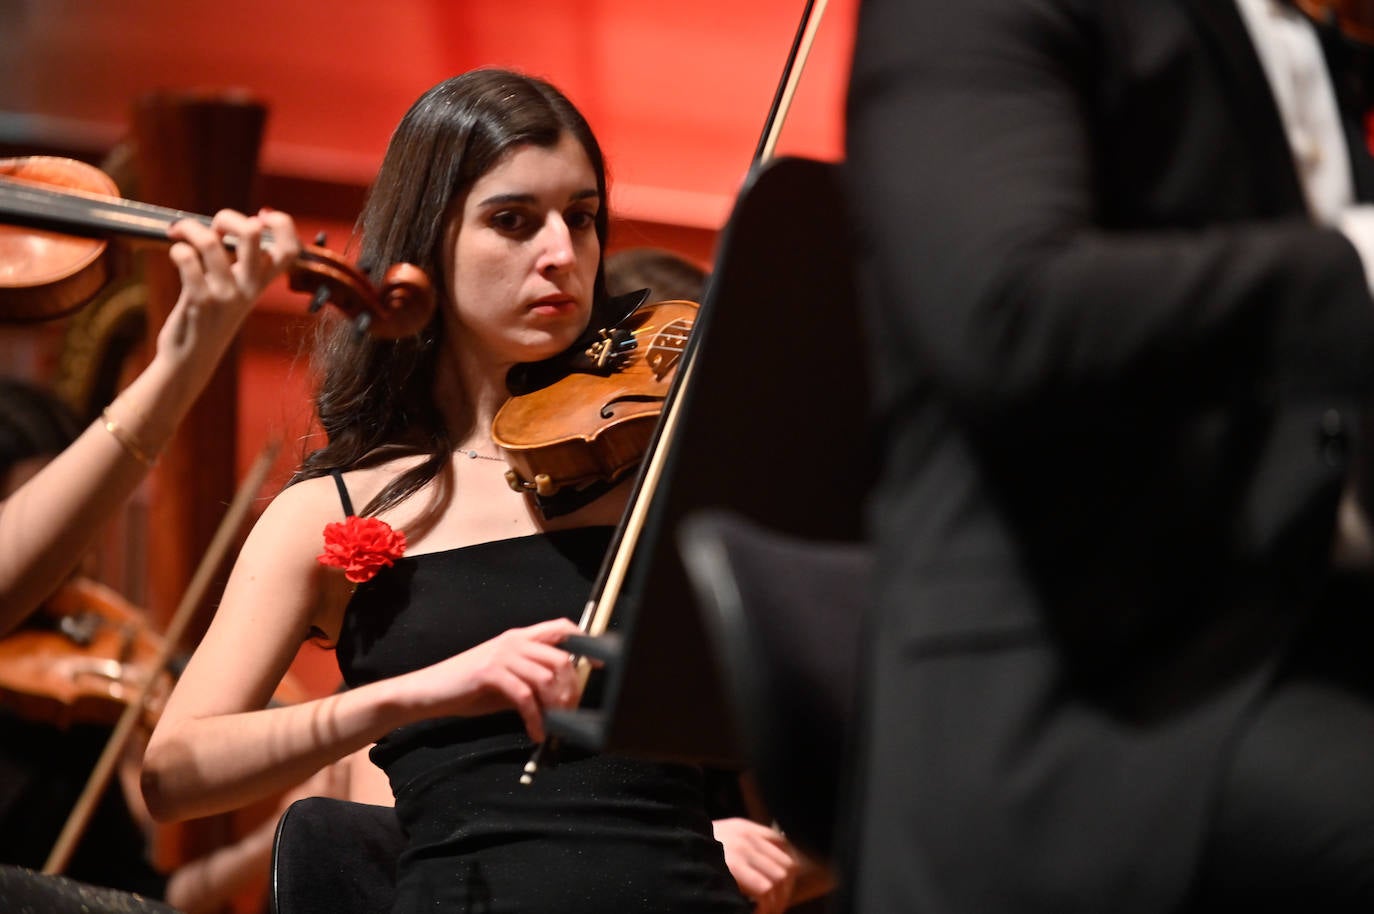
(343, 492)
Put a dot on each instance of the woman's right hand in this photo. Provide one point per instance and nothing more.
(522, 668)
(219, 285)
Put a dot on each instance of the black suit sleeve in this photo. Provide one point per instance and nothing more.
(977, 158)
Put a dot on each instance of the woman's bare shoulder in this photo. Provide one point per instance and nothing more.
(324, 496)
(316, 498)
(291, 527)
(367, 482)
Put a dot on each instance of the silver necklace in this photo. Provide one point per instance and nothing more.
(471, 454)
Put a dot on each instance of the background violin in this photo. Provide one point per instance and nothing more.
(82, 657)
(58, 214)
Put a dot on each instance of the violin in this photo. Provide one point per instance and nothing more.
(593, 420)
(675, 349)
(597, 414)
(57, 216)
(1354, 19)
(81, 659)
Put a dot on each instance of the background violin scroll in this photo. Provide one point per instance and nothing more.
(400, 307)
(56, 216)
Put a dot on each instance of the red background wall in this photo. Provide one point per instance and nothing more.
(677, 93)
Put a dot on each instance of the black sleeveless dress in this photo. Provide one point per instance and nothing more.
(594, 833)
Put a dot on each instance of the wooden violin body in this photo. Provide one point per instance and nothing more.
(595, 421)
(46, 274)
(57, 214)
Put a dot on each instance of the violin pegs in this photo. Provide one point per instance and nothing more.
(319, 299)
(320, 239)
(362, 323)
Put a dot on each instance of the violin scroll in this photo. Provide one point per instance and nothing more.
(400, 307)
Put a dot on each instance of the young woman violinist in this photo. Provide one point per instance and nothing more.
(454, 592)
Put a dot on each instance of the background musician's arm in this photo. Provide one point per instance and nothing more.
(46, 525)
(770, 870)
(207, 883)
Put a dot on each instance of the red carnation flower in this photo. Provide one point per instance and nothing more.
(361, 546)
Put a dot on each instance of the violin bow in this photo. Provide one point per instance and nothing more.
(792, 72)
(228, 527)
(596, 616)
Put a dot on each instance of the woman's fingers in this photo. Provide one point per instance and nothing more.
(215, 261)
(264, 245)
(547, 680)
(187, 261)
(760, 860)
(554, 631)
(555, 675)
(239, 255)
(523, 669)
(286, 244)
(522, 697)
(550, 676)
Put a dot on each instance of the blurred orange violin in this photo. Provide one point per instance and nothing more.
(85, 655)
(82, 657)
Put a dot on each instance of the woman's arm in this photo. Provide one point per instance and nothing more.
(48, 523)
(215, 748)
(207, 883)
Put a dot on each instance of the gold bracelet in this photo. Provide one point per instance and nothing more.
(125, 439)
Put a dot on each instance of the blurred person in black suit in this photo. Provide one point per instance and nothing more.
(1118, 274)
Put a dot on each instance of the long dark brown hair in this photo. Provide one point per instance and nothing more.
(33, 423)
(375, 393)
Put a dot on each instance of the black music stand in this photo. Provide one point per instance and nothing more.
(774, 427)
